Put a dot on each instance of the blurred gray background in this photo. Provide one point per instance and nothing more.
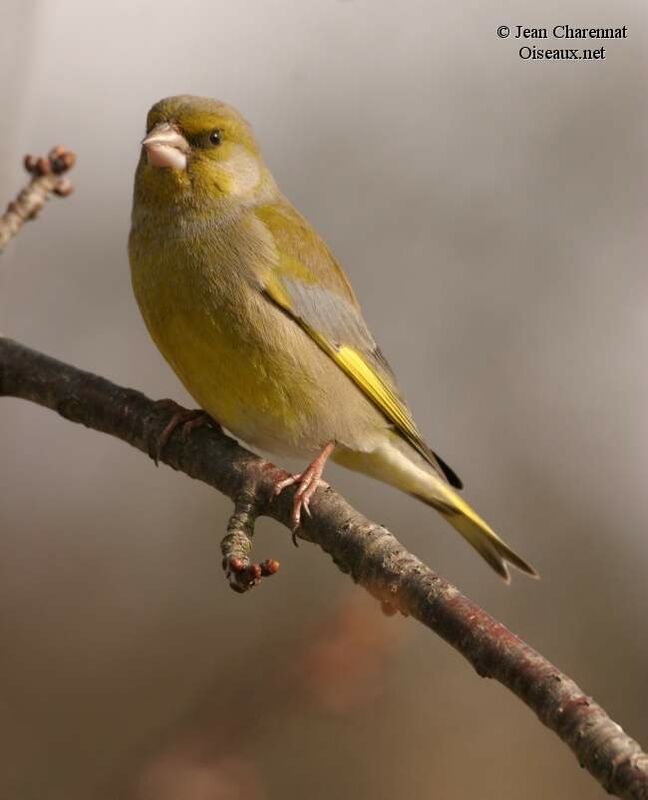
(492, 216)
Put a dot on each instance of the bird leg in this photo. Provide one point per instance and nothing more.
(309, 480)
(189, 418)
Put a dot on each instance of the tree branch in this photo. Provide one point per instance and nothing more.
(368, 552)
(48, 177)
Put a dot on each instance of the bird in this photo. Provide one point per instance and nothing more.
(259, 321)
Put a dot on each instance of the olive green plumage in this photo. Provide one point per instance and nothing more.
(259, 321)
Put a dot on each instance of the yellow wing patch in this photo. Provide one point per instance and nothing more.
(380, 393)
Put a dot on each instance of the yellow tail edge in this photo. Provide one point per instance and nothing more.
(481, 536)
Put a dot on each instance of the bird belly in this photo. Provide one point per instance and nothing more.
(255, 371)
(260, 402)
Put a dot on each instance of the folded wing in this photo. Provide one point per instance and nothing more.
(308, 284)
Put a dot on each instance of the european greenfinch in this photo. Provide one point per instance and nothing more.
(260, 323)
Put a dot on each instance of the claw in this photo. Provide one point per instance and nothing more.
(309, 481)
(285, 483)
(189, 418)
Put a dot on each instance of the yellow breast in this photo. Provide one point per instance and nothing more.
(240, 359)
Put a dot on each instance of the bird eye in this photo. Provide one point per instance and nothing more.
(215, 136)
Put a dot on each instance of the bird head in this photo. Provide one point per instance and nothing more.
(199, 151)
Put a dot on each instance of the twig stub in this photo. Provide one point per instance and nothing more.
(236, 547)
(48, 177)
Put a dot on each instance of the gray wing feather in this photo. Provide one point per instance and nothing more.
(338, 320)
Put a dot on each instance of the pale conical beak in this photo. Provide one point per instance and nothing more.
(166, 147)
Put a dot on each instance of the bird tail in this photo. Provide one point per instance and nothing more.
(479, 534)
(395, 463)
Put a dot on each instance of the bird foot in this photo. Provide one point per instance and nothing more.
(188, 418)
(308, 482)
